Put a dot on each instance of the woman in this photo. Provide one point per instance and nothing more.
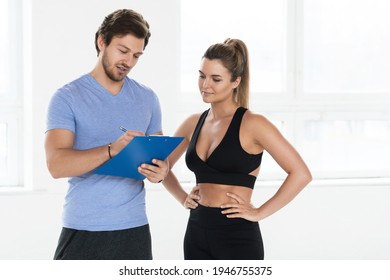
(224, 148)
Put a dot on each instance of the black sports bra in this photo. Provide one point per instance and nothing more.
(229, 163)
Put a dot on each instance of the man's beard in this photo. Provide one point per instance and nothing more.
(110, 73)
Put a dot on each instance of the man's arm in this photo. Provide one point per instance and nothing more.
(64, 161)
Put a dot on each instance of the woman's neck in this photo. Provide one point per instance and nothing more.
(220, 111)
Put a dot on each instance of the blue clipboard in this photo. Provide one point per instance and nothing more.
(142, 149)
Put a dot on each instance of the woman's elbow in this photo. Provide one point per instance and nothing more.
(306, 177)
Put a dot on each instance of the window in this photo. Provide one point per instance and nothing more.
(260, 24)
(319, 70)
(345, 46)
(11, 101)
(347, 146)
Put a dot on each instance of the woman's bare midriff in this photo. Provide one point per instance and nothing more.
(214, 195)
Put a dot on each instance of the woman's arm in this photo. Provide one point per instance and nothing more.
(171, 183)
(266, 135)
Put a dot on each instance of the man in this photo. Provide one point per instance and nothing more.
(104, 217)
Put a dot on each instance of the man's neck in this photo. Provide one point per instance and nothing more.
(111, 86)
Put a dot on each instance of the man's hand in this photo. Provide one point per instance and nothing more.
(122, 141)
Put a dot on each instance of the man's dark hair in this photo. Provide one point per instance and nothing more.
(120, 23)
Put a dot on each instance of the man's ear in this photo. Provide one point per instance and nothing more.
(100, 42)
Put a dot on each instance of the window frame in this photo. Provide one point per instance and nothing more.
(12, 104)
(295, 106)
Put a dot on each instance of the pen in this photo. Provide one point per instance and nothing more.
(124, 130)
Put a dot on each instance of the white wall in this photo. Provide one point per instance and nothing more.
(323, 223)
(327, 221)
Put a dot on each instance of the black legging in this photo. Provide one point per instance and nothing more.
(211, 235)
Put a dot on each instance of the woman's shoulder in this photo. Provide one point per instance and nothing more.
(259, 129)
(254, 117)
(254, 121)
(189, 124)
(192, 119)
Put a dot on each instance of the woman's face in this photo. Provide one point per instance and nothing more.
(214, 81)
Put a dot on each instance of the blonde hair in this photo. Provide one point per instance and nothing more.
(233, 54)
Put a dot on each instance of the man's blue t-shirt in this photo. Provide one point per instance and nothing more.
(98, 202)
